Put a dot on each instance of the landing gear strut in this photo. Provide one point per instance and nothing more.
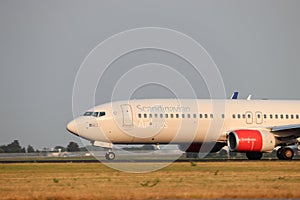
(110, 155)
(285, 153)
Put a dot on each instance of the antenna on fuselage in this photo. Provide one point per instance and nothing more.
(249, 97)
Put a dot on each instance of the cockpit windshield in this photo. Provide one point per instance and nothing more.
(94, 114)
(87, 113)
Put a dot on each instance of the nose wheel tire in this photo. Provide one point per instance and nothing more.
(110, 155)
(285, 153)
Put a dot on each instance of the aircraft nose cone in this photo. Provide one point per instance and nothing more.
(71, 127)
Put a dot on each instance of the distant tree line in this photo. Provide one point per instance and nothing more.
(72, 147)
(146, 147)
(15, 147)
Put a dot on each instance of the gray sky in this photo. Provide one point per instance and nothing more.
(255, 45)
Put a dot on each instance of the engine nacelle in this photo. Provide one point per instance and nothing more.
(206, 147)
(251, 141)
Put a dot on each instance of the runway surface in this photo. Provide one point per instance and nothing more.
(130, 156)
(139, 161)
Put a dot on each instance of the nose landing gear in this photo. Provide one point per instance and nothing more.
(110, 155)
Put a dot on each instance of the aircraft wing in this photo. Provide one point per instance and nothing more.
(285, 127)
(286, 131)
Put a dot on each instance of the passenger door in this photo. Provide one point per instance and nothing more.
(127, 115)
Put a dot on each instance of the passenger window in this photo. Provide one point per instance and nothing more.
(258, 116)
(249, 116)
(223, 116)
(139, 115)
(188, 115)
(271, 116)
(150, 115)
(239, 116)
(145, 115)
(286, 116)
(244, 116)
(292, 116)
(182, 115)
(233, 116)
(205, 115)
(95, 114)
(281, 116)
(166, 115)
(155, 115)
(276, 116)
(265, 116)
(177, 115)
(297, 116)
(200, 116)
(172, 115)
(195, 116)
(161, 115)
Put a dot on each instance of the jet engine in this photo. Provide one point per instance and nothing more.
(251, 141)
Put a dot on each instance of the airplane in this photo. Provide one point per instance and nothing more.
(248, 126)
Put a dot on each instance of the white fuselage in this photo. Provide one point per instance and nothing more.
(161, 121)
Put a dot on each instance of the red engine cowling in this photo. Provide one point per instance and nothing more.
(251, 141)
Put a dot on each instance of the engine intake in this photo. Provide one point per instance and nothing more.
(251, 141)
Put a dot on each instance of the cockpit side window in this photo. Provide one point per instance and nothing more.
(102, 114)
(88, 113)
